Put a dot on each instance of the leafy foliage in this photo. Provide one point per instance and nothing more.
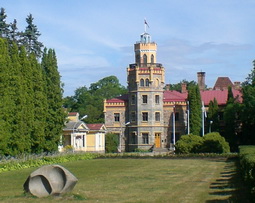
(178, 86)
(194, 99)
(111, 142)
(90, 101)
(213, 116)
(210, 143)
(188, 144)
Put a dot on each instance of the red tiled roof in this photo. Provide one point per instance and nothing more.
(72, 113)
(172, 95)
(220, 95)
(95, 126)
(222, 83)
(122, 98)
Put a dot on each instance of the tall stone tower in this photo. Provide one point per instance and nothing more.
(146, 79)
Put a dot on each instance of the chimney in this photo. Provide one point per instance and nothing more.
(184, 88)
(201, 80)
(167, 87)
(237, 85)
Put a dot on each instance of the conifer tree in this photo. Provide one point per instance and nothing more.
(55, 115)
(213, 116)
(14, 34)
(194, 99)
(5, 101)
(4, 27)
(30, 37)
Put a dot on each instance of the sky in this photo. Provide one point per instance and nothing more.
(94, 39)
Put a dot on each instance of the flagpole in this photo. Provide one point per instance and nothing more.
(203, 119)
(188, 118)
(174, 127)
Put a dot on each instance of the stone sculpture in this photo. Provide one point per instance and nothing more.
(50, 180)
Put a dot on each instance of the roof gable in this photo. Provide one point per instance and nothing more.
(222, 83)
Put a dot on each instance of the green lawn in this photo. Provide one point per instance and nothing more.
(138, 180)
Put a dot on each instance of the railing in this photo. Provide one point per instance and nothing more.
(143, 65)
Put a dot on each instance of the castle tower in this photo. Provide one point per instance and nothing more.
(146, 79)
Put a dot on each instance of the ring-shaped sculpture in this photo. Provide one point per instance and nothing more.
(50, 180)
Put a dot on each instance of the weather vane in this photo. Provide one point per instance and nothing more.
(145, 25)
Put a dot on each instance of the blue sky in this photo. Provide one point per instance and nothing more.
(94, 39)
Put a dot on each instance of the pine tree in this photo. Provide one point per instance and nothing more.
(55, 115)
(194, 99)
(14, 34)
(4, 27)
(30, 37)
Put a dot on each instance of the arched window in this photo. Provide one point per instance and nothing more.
(137, 59)
(147, 82)
(145, 59)
(142, 82)
(152, 58)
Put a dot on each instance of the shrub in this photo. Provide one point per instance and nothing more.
(188, 144)
(111, 143)
(214, 143)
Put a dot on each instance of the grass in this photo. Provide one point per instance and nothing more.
(139, 180)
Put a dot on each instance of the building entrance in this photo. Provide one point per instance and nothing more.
(157, 140)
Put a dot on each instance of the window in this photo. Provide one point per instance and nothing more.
(142, 82)
(157, 99)
(145, 59)
(133, 116)
(145, 138)
(157, 116)
(145, 99)
(152, 58)
(116, 117)
(145, 116)
(157, 82)
(133, 99)
(147, 82)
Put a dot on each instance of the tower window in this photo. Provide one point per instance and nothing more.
(145, 99)
(116, 117)
(145, 138)
(147, 82)
(152, 58)
(133, 99)
(157, 99)
(157, 116)
(145, 59)
(142, 82)
(145, 116)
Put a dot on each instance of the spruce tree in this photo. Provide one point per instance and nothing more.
(194, 99)
(4, 27)
(30, 37)
(55, 115)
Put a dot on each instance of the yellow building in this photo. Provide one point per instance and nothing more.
(83, 137)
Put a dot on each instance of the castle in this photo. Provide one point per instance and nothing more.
(150, 116)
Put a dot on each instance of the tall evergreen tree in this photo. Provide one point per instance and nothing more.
(194, 99)
(14, 34)
(4, 27)
(30, 37)
(5, 100)
(213, 116)
(248, 119)
(55, 115)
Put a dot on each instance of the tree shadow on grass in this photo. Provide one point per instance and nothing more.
(230, 186)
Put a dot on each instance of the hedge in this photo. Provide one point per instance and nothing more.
(247, 166)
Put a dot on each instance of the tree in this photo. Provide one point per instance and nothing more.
(213, 116)
(14, 35)
(194, 99)
(55, 115)
(178, 86)
(4, 27)
(30, 37)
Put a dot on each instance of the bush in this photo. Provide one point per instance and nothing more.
(215, 143)
(247, 166)
(210, 143)
(188, 144)
(111, 143)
